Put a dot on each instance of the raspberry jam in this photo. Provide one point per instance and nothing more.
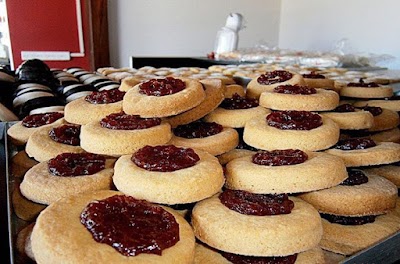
(313, 75)
(165, 158)
(345, 108)
(105, 97)
(374, 110)
(355, 143)
(38, 120)
(198, 129)
(361, 83)
(273, 77)
(241, 259)
(256, 204)
(294, 120)
(76, 164)
(349, 220)
(279, 157)
(66, 134)
(355, 177)
(238, 102)
(295, 89)
(122, 121)
(161, 87)
(130, 226)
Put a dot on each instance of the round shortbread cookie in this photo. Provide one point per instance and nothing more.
(349, 239)
(382, 153)
(367, 92)
(278, 235)
(82, 112)
(136, 103)
(41, 186)
(207, 255)
(234, 154)
(254, 88)
(187, 185)
(234, 89)
(235, 118)
(42, 147)
(326, 83)
(351, 120)
(216, 144)
(19, 134)
(75, 244)
(257, 133)
(117, 142)
(375, 197)
(323, 100)
(388, 119)
(390, 172)
(214, 90)
(393, 105)
(319, 171)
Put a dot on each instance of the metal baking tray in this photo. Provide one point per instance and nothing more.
(386, 251)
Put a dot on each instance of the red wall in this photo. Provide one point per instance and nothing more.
(48, 25)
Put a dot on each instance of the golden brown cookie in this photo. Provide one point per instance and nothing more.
(326, 83)
(351, 120)
(390, 135)
(254, 88)
(393, 105)
(232, 89)
(388, 119)
(74, 243)
(375, 197)
(235, 118)
(234, 154)
(279, 235)
(41, 186)
(319, 171)
(23, 208)
(390, 172)
(186, 185)
(136, 103)
(21, 163)
(206, 255)
(382, 153)
(214, 90)
(257, 133)
(367, 92)
(322, 100)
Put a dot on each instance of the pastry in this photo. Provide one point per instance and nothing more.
(392, 103)
(347, 117)
(389, 171)
(163, 97)
(317, 80)
(291, 130)
(232, 89)
(301, 98)
(271, 79)
(162, 236)
(366, 90)
(130, 82)
(384, 119)
(65, 175)
(391, 135)
(280, 171)
(121, 134)
(168, 174)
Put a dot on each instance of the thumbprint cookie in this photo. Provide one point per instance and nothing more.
(384, 119)
(389, 171)
(316, 80)
(392, 103)
(366, 90)
(347, 117)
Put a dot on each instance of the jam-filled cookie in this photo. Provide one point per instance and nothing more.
(384, 119)
(133, 231)
(280, 171)
(390, 135)
(357, 152)
(389, 171)
(130, 82)
(207, 136)
(121, 134)
(65, 175)
(271, 79)
(243, 223)
(236, 111)
(168, 174)
(363, 89)
(392, 103)
(48, 142)
(94, 106)
(316, 80)
(301, 98)
(214, 90)
(22, 130)
(232, 89)
(291, 129)
(163, 97)
(350, 118)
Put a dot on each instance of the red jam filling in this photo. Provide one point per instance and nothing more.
(38, 120)
(76, 164)
(256, 204)
(313, 75)
(295, 89)
(238, 102)
(164, 158)
(161, 87)
(242, 259)
(66, 134)
(294, 120)
(273, 77)
(374, 110)
(198, 130)
(130, 226)
(349, 220)
(361, 83)
(355, 177)
(105, 97)
(280, 157)
(355, 143)
(345, 108)
(122, 121)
